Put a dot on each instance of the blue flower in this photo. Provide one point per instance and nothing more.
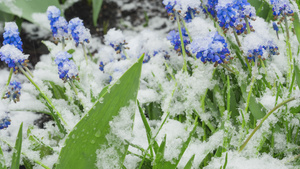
(11, 35)
(13, 56)
(184, 9)
(262, 51)
(13, 92)
(58, 24)
(79, 33)
(115, 39)
(233, 15)
(212, 48)
(281, 7)
(101, 66)
(211, 7)
(275, 27)
(174, 38)
(67, 69)
(4, 122)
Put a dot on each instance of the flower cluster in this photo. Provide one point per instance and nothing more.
(13, 56)
(187, 9)
(263, 51)
(212, 48)
(4, 122)
(13, 92)
(59, 25)
(115, 39)
(67, 69)
(11, 35)
(281, 7)
(61, 28)
(79, 33)
(174, 38)
(234, 14)
(211, 7)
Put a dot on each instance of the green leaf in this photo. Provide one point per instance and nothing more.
(297, 72)
(189, 164)
(6, 17)
(2, 160)
(80, 147)
(159, 159)
(27, 163)
(71, 51)
(17, 150)
(262, 8)
(96, 10)
(27, 9)
(297, 26)
(257, 109)
(57, 91)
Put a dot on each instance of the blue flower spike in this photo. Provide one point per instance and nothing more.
(4, 122)
(186, 9)
(67, 69)
(14, 91)
(13, 57)
(282, 8)
(58, 24)
(174, 38)
(11, 35)
(79, 33)
(275, 27)
(116, 39)
(262, 52)
(212, 48)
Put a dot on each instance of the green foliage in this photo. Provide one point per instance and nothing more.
(17, 150)
(96, 10)
(26, 9)
(82, 142)
(2, 160)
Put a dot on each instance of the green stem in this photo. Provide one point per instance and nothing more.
(84, 52)
(182, 43)
(289, 50)
(237, 39)
(261, 122)
(63, 44)
(125, 53)
(8, 81)
(59, 125)
(248, 25)
(187, 31)
(26, 68)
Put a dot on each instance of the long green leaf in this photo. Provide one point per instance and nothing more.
(17, 150)
(297, 25)
(28, 8)
(96, 10)
(297, 72)
(2, 160)
(257, 109)
(189, 164)
(90, 133)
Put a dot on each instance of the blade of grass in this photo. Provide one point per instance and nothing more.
(15, 163)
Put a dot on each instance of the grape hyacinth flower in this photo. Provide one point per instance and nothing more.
(59, 25)
(275, 27)
(13, 57)
(67, 69)
(262, 52)
(186, 9)
(235, 14)
(4, 122)
(116, 39)
(79, 33)
(13, 92)
(11, 35)
(281, 7)
(174, 38)
(212, 48)
(211, 7)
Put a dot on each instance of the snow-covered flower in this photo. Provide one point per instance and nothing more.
(184, 8)
(12, 56)
(115, 39)
(174, 38)
(211, 7)
(67, 69)
(59, 25)
(232, 14)
(14, 91)
(212, 48)
(11, 35)
(4, 122)
(79, 33)
(262, 51)
(281, 7)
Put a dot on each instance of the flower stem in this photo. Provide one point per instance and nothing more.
(237, 38)
(289, 50)
(8, 81)
(261, 122)
(84, 52)
(26, 68)
(248, 25)
(182, 43)
(55, 116)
